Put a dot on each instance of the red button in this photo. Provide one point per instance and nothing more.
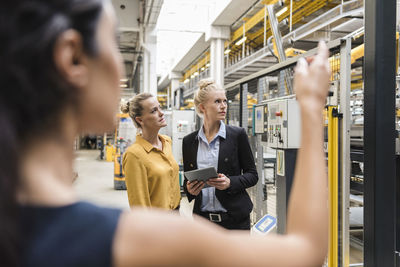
(278, 113)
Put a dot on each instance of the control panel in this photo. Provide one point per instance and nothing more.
(283, 130)
(182, 124)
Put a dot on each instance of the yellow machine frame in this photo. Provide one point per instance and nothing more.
(333, 185)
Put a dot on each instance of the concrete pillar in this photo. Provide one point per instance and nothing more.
(175, 85)
(149, 61)
(177, 98)
(217, 36)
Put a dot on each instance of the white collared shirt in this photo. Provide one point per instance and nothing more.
(207, 156)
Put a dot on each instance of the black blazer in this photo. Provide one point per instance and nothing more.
(236, 161)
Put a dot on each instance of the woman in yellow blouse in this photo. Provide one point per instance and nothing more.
(151, 172)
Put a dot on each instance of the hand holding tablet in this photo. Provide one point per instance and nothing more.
(201, 174)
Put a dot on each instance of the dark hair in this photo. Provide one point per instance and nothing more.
(32, 92)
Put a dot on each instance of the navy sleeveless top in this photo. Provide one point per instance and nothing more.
(80, 234)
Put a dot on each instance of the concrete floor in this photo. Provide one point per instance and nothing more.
(95, 181)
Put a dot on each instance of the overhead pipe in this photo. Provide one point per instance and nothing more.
(148, 11)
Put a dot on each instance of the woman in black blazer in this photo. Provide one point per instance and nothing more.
(224, 200)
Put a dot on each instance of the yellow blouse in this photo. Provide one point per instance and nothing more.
(151, 175)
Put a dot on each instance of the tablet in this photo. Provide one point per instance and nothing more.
(201, 174)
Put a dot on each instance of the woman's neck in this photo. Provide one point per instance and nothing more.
(47, 170)
(152, 138)
(47, 175)
(211, 128)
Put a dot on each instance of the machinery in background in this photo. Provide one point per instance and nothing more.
(179, 124)
(125, 135)
(183, 122)
(278, 121)
(283, 123)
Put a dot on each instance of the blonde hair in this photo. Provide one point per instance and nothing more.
(201, 95)
(134, 107)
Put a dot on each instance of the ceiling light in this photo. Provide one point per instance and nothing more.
(203, 68)
(207, 65)
(195, 74)
(227, 51)
(123, 85)
(186, 81)
(280, 12)
(124, 80)
(241, 41)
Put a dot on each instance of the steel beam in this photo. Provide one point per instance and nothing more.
(379, 133)
(345, 171)
(244, 112)
(273, 21)
(329, 17)
(260, 208)
(289, 62)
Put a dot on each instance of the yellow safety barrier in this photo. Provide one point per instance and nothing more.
(110, 152)
(333, 144)
(119, 174)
